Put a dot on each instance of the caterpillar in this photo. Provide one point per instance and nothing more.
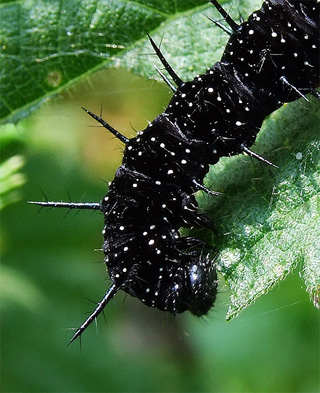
(270, 59)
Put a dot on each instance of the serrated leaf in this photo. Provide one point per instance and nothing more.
(46, 46)
(268, 219)
(190, 41)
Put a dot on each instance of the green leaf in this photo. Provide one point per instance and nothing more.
(10, 177)
(46, 46)
(268, 220)
(11, 180)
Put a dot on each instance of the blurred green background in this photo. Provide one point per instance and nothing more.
(51, 271)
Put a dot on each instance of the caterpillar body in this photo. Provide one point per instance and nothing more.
(270, 59)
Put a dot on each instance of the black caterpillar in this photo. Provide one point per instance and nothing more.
(271, 59)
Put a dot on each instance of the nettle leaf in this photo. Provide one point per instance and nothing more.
(46, 46)
(267, 221)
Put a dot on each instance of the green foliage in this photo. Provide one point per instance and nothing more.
(10, 180)
(10, 177)
(48, 45)
(267, 220)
